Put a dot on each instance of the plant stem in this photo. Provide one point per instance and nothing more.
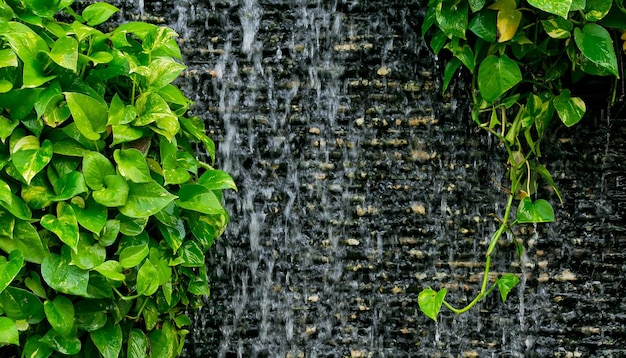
(492, 245)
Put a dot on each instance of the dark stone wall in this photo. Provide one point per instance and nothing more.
(360, 184)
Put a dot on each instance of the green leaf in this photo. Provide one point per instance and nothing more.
(34, 348)
(146, 199)
(476, 5)
(124, 133)
(196, 197)
(90, 114)
(8, 332)
(69, 185)
(497, 75)
(147, 279)
(132, 165)
(570, 109)
(119, 113)
(163, 70)
(99, 286)
(6, 127)
(595, 44)
(91, 314)
(88, 255)
(60, 314)
(29, 158)
(90, 215)
(137, 344)
(131, 226)
(29, 242)
(195, 127)
(597, 9)
(63, 277)
(192, 254)
(452, 17)
(9, 269)
(65, 345)
(65, 52)
(14, 204)
(171, 172)
(97, 13)
(19, 304)
(114, 193)
(206, 228)
(430, 301)
(173, 235)
(539, 211)
(556, 7)
(109, 233)
(558, 27)
(64, 225)
(34, 284)
(27, 44)
(541, 170)
(151, 107)
(484, 25)
(111, 269)
(157, 38)
(506, 284)
(215, 179)
(132, 256)
(161, 345)
(198, 285)
(8, 58)
(95, 167)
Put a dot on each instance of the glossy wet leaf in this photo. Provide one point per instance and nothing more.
(90, 215)
(114, 192)
(88, 254)
(95, 167)
(27, 44)
(497, 75)
(120, 113)
(570, 109)
(69, 185)
(164, 70)
(596, 45)
(34, 348)
(556, 7)
(64, 345)
(109, 233)
(112, 270)
(484, 25)
(60, 314)
(539, 211)
(99, 12)
(20, 304)
(558, 27)
(137, 344)
(133, 255)
(452, 17)
(197, 197)
(10, 267)
(597, 9)
(29, 157)
(8, 332)
(206, 228)
(63, 277)
(90, 115)
(506, 284)
(12, 203)
(64, 225)
(146, 199)
(29, 242)
(430, 301)
(217, 180)
(65, 52)
(132, 165)
(147, 279)
(161, 345)
(192, 254)
(198, 285)
(195, 127)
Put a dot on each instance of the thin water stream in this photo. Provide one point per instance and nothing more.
(360, 184)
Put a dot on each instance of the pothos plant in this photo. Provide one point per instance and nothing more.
(523, 56)
(105, 211)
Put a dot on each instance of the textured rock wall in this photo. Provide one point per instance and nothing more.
(360, 184)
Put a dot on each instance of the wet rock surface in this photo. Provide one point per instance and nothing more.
(360, 184)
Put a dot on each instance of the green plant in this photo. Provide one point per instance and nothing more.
(105, 211)
(522, 56)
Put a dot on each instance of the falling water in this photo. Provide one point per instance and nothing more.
(360, 184)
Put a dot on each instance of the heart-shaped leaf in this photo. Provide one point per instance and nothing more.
(95, 167)
(63, 277)
(12, 203)
(132, 256)
(114, 193)
(596, 45)
(539, 211)
(88, 255)
(112, 270)
(9, 269)
(146, 199)
(8, 332)
(90, 114)
(506, 284)
(570, 109)
(430, 301)
(90, 215)
(119, 113)
(147, 279)
(65, 52)
(29, 157)
(171, 172)
(496, 75)
(65, 345)
(29, 242)
(68, 186)
(197, 197)
(19, 304)
(64, 225)
(109, 233)
(132, 165)
(137, 344)
(108, 339)
(164, 70)
(60, 314)
(217, 180)
(99, 12)
(561, 7)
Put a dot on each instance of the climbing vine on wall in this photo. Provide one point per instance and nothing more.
(523, 57)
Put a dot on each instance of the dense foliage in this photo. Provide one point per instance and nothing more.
(105, 211)
(523, 56)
